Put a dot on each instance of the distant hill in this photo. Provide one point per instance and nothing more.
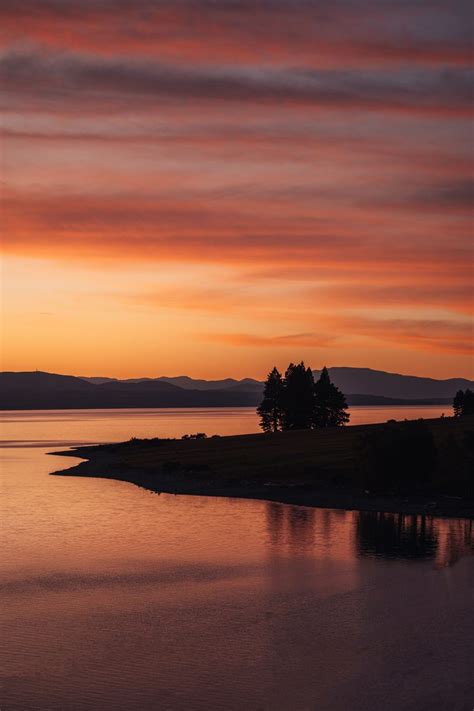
(381, 401)
(362, 386)
(187, 383)
(99, 380)
(406, 387)
(360, 381)
(183, 381)
(47, 391)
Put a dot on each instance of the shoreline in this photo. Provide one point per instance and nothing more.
(117, 462)
(388, 403)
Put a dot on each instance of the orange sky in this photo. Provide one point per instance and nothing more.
(213, 188)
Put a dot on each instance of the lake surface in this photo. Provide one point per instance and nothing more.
(117, 598)
(91, 426)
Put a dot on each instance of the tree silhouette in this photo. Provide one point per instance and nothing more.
(468, 407)
(329, 403)
(298, 398)
(296, 402)
(458, 403)
(270, 408)
(463, 403)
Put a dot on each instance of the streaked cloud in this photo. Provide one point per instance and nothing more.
(292, 340)
(264, 32)
(215, 182)
(45, 81)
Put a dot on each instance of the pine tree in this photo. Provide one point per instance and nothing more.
(270, 407)
(298, 397)
(468, 408)
(458, 403)
(463, 403)
(329, 403)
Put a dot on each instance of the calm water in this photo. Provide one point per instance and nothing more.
(117, 598)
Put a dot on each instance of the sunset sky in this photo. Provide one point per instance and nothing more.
(212, 187)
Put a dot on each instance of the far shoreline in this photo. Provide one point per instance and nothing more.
(409, 405)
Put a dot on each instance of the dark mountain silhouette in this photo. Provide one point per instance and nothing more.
(37, 390)
(363, 399)
(183, 381)
(360, 381)
(378, 382)
(362, 386)
(246, 387)
(187, 383)
(49, 383)
(99, 380)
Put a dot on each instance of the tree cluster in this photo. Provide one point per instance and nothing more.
(463, 403)
(297, 402)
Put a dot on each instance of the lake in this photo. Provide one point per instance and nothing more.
(114, 597)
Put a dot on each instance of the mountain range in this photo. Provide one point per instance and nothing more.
(362, 386)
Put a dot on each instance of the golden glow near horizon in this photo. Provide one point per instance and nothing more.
(204, 200)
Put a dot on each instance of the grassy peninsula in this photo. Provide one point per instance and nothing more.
(326, 468)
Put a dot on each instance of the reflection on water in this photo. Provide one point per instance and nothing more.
(294, 523)
(370, 534)
(116, 598)
(391, 535)
(396, 535)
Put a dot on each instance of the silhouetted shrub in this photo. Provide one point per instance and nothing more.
(198, 435)
(397, 458)
(147, 442)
